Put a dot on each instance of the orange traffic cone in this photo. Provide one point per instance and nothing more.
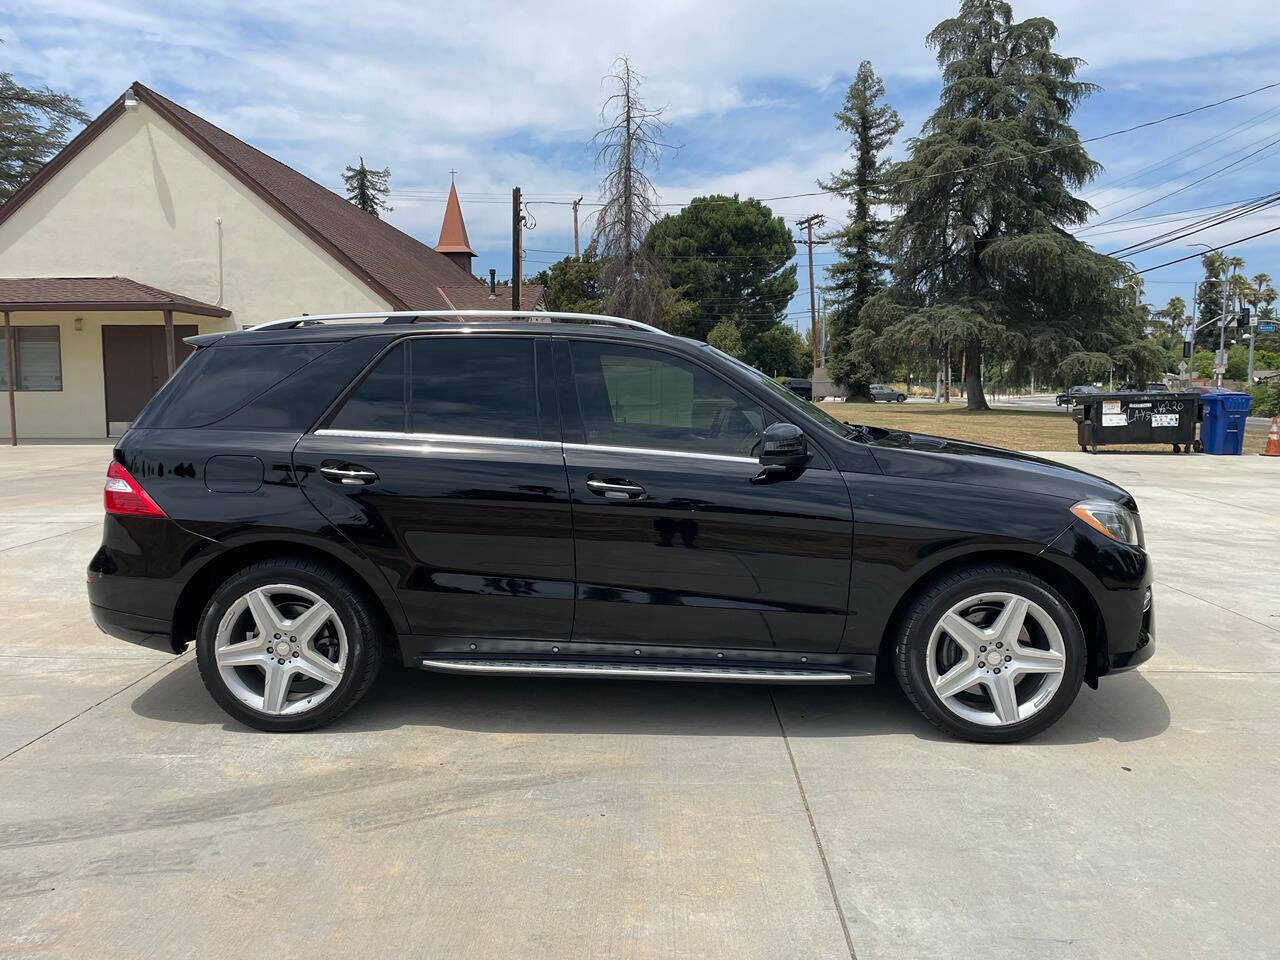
(1273, 439)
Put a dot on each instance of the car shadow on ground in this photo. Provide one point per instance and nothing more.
(1126, 708)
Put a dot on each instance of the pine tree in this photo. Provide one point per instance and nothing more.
(34, 124)
(983, 262)
(859, 272)
(368, 189)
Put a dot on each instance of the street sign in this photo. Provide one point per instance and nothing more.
(1266, 328)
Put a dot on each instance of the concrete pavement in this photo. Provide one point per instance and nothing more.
(457, 817)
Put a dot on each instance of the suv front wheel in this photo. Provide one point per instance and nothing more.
(991, 653)
(287, 644)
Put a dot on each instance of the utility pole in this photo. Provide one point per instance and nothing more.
(576, 252)
(516, 223)
(808, 223)
(1222, 325)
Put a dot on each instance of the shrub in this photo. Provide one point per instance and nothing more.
(1266, 400)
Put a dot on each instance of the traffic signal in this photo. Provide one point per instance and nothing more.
(1242, 320)
(1186, 349)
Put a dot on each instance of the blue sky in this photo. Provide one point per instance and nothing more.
(509, 94)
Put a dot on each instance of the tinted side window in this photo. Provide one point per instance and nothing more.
(216, 381)
(380, 401)
(474, 386)
(634, 397)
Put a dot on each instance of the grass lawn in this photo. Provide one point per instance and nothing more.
(1013, 429)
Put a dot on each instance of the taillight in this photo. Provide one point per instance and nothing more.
(124, 495)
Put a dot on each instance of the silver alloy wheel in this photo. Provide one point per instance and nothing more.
(996, 659)
(281, 649)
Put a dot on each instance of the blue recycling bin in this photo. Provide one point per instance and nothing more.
(1222, 426)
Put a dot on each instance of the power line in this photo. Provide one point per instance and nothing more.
(1182, 189)
(1205, 223)
(989, 163)
(1192, 256)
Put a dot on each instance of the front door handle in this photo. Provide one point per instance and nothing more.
(349, 473)
(616, 489)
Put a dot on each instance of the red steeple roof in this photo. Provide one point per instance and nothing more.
(453, 232)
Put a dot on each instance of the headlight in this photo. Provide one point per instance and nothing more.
(1112, 519)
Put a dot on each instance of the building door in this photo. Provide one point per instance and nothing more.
(135, 368)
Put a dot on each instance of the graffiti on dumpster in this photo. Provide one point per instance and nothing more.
(1159, 413)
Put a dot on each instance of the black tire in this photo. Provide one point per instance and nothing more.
(911, 649)
(902, 398)
(358, 619)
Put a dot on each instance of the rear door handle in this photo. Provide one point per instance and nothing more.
(349, 473)
(616, 489)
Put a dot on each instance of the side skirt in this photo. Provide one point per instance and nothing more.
(617, 661)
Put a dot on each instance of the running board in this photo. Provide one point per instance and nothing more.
(640, 671)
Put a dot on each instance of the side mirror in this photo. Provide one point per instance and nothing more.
(783, 445)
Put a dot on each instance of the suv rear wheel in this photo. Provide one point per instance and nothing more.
(992, 654)
(287, 644)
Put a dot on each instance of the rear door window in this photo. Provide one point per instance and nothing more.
(474, 386)
(460, 386)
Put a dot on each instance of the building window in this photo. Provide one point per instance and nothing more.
(37, 359)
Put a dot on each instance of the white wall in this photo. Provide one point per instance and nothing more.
(141, 201)
(78, 410)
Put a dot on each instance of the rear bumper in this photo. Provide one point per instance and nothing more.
(144, 631)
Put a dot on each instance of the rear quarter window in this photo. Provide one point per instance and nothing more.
(217, 381)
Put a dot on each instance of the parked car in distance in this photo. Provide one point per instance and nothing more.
(1073, 394)
(880, 391)
(311, 499)
(800, 387)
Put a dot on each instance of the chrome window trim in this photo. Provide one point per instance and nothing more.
(652, 451)
(435, 437)
(521, 442)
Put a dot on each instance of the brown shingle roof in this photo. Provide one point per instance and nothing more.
(96, 293)
(475, 296)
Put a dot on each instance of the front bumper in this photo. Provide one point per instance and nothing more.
(1145, 648)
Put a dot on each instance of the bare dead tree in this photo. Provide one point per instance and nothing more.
(628, 145)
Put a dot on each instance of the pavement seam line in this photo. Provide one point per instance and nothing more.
(1244, 616)
(52, 536)
(813, 829)
(56, 728)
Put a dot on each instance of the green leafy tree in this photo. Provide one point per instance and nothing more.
(368, 189)
(983, 259)
(860, 268)
(781, 352)
(34, 125)
(724, 336)
(573, 284)
(730, 258)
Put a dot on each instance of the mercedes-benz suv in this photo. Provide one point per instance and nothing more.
(589, 497)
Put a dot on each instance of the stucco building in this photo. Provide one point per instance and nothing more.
(154, 224)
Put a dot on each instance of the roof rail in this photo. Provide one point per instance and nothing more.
(409, 316)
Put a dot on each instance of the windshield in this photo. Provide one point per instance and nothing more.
(790, 399)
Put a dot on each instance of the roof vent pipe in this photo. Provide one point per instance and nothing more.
(493, 282)
(130, 100)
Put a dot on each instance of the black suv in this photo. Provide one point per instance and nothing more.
(304, 500)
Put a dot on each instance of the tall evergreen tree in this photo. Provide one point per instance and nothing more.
(34, 124)
(982, 257)
(368, 189)
(859, 272)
